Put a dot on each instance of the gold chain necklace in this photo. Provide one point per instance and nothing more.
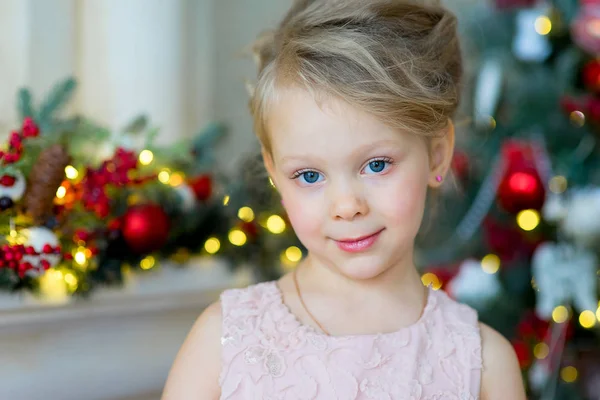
(295, 275)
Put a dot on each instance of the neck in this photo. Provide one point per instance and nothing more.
(400, 280)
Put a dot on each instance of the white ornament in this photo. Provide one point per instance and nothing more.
(538, 376)
(16, 191)
(473, 285)
(37, 237)
(488, 90)
(528, 44)
(564, 274)
(188, 198)
(555, 208)
(582, 220)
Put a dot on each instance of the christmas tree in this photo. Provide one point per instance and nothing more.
(519, 226)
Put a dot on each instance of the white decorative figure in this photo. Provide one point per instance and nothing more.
(37, 237)
(564, 274)
(16, 190)
(528, 44)
(582, 219)
(473, 285)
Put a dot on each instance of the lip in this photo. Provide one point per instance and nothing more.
(357, 245)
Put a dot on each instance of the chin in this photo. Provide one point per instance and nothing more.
(363, 267)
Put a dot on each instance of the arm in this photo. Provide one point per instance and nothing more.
(195, 372)
(501, 377)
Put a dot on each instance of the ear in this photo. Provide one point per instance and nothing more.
(441, 151)
(269, 164)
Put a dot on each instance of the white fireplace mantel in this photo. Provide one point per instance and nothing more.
(119, 344)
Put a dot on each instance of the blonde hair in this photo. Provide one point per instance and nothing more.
(399, 60)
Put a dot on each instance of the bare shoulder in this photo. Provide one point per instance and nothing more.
(501, 377)
(198, 364)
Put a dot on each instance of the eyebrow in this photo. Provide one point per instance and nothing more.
(360, 150)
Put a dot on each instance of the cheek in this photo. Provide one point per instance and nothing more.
(402, 203)
(304, 215)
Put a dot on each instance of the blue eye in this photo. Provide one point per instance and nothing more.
(377, 166)
(309, 176)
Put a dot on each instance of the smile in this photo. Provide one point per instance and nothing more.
(358, 244)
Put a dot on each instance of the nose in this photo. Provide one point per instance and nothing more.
(347, 203)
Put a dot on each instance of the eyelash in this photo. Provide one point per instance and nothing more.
(301, 172)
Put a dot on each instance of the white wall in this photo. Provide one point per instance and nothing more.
(130, 57)
(237, 24)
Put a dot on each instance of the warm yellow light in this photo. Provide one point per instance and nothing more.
(568, 374)
(164, 176)
(598, 314)
(543, 25)
(71, 281)
(587, 319)
(246, 214)
(147, 263)
(226, 199)
(275, 224)
(560, 314)
(61, 192)
(541, 351)
(528, 220)
(558, 184)
(237, 237)
(146, 157)
(53, 286)
(212, 245)
(293, 253)
(80, 257)
(71, 172)
(490, 263)
(431, 279)
(176, 179)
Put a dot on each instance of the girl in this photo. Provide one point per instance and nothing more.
(353, 110)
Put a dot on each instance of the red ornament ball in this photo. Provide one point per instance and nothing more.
(202, 187)
(521, 190)
(460, 164)
(145, 228)
(591, 75)
(523, 353)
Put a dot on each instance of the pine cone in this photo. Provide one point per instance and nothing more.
(45, 178)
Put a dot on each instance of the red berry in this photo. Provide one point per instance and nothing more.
(81, 234)
(25, 266)
(10, 158)
(9, 256)
(30, 250)
(47, 249)
(115, 224)
(15, 139)
(18, 256)
(30, 129)
(68, 256)
(45, 264)
(8, 180)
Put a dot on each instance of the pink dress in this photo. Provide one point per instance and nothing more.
(268, 354)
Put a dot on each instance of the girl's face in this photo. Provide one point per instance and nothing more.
(354, 189)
